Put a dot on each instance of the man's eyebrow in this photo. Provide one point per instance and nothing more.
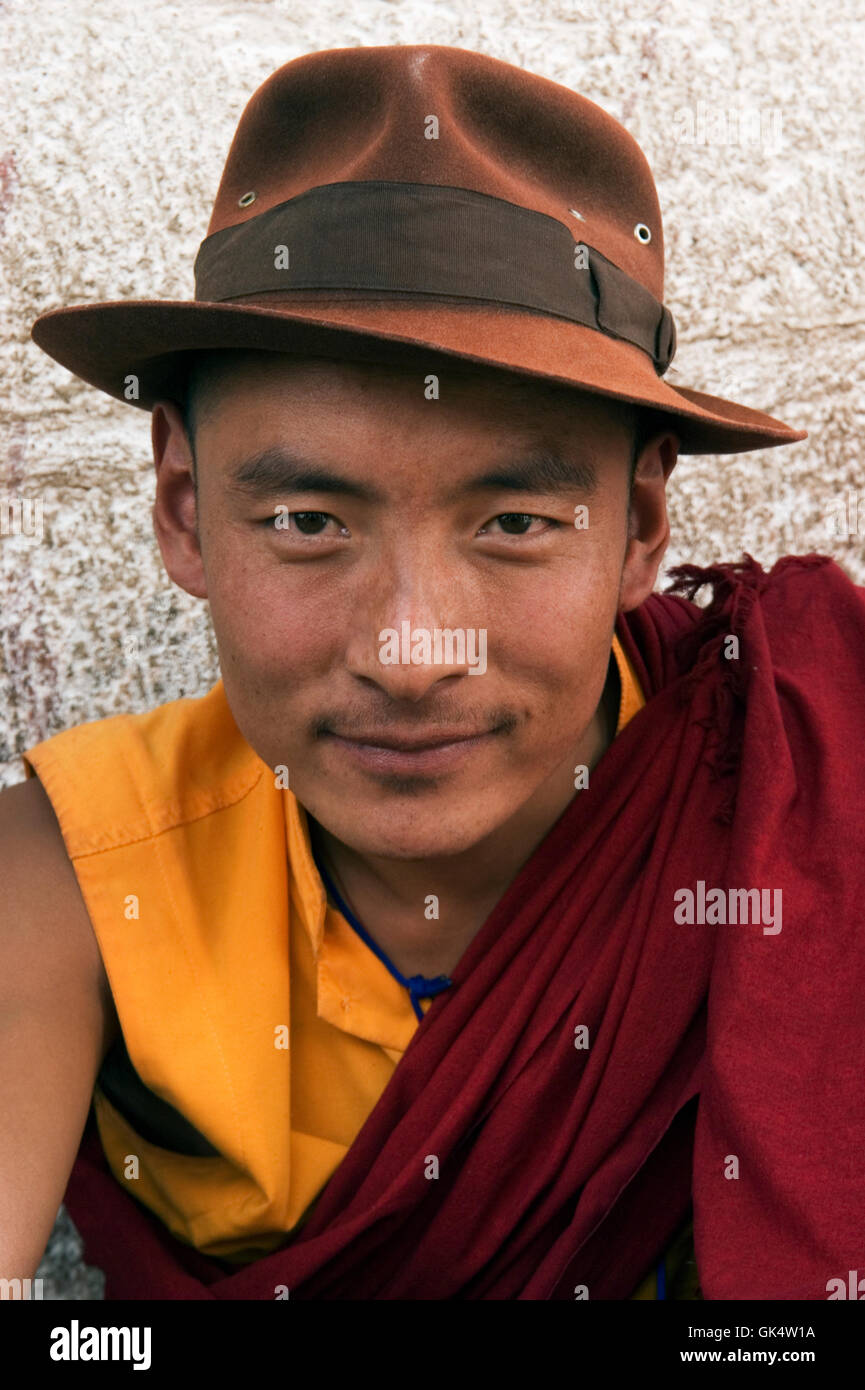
(541, 471)
(278, 470)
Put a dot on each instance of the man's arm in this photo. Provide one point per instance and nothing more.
(57, 1021)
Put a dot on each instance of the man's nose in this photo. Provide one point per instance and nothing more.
(408, 639)
(411, 656)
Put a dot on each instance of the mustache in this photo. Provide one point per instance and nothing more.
(367, 726)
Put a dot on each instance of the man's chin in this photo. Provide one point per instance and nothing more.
(400, 833)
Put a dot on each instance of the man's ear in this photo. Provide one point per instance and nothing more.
(648, 524)
(175, 511)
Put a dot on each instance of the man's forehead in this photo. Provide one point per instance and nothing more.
(534, 449)
(235, 374)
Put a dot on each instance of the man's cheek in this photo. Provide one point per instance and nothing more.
(255, 625)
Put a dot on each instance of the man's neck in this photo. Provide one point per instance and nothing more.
(385, 894)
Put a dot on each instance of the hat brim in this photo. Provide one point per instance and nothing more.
(107, 343)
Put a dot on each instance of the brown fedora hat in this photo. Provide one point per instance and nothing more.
(386, 203)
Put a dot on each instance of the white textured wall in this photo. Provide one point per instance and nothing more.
(116, 122)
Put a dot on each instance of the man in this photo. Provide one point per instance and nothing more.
(488, 920)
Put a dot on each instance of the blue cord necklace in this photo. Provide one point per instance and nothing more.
(418, 986)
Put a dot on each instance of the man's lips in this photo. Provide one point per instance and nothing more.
(428, 751)
(412, 743)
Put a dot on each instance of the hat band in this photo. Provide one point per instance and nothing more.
(432, 239)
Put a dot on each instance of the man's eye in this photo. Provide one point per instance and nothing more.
(307, 523)
(516, 523)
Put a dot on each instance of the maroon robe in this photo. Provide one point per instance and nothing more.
(725, 1065)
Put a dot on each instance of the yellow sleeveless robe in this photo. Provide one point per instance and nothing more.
(258, 1029)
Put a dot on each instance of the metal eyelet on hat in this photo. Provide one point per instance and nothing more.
(642, 233)
(247, 198)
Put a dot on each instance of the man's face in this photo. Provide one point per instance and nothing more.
(396, 516)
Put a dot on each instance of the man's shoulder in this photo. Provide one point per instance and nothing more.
(131, 776)
(44, 914)
(811, 619)
(814, 584)
(805, 613)
(27, 822)
(173, 718)
(32, 852)
(801, 583)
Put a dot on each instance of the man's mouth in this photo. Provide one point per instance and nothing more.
(415, 742)
(429, 751)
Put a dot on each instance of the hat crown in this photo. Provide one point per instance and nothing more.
(431, 114)
(395, 202)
